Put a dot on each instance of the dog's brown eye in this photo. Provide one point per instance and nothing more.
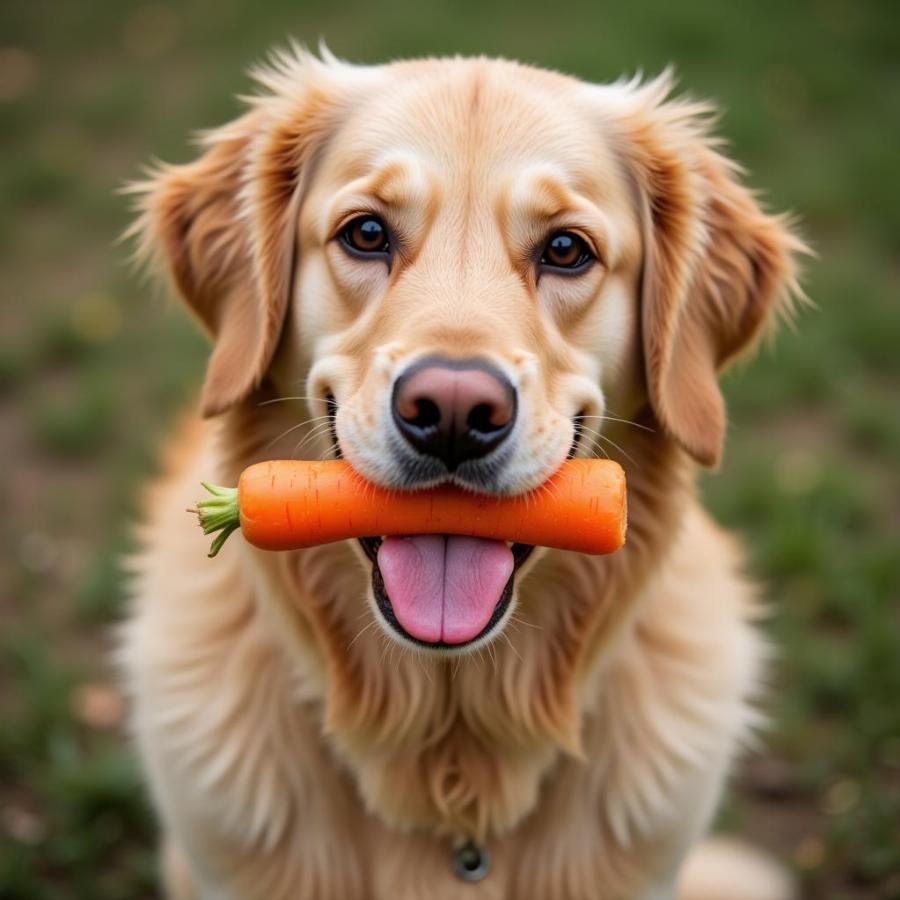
(366, 234)
(566, 250)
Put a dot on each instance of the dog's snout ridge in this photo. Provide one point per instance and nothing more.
(454, 409)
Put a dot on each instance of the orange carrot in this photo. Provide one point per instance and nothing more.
(289, 504)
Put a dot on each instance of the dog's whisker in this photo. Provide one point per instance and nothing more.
(284, 399)
(362, 631)
(283, 434)
(597, 450)
(300, 447)
(623, 421)
(592, 437)
(598, 436)
(624, 453)
(511, 645)
(518, 619)
(305, 422)
(423, 662)
(312, 419)
(586, 429)
(617, 416)
(315, 433)
(546, 488)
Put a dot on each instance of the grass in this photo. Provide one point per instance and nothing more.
(93, 368)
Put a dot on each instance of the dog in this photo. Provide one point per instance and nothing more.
(455, 270)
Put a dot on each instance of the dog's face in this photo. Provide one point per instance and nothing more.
(470, 267)
(468, 259)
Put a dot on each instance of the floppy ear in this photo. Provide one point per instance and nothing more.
(224, 226)
(716, 267)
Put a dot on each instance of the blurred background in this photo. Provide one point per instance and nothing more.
(94, 366)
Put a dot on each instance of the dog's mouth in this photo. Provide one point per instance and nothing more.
(443, 590)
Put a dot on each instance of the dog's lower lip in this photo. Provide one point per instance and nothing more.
(370, 546)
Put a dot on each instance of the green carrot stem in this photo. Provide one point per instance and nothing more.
(218, 513)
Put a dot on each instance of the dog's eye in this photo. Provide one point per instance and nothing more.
(566, 250)
(367, 235)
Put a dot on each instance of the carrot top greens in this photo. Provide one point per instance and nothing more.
(218, 513)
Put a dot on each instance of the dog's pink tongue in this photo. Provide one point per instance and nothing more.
(444, 587)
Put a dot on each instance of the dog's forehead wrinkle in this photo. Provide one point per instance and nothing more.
(401, 178)
(448, 111)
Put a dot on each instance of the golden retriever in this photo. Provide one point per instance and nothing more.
(467, 270)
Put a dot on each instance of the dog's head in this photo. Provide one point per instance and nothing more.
(467, 269)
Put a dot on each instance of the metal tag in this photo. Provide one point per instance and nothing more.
(471, 862)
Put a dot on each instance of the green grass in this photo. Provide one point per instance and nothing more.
(93, 368)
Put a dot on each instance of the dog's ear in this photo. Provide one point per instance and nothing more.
(716, 267)
(224, 226)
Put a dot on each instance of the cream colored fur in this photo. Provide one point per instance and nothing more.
(293, 748)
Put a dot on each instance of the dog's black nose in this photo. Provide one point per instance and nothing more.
(454, 410)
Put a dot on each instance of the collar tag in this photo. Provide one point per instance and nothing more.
(471, 862)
